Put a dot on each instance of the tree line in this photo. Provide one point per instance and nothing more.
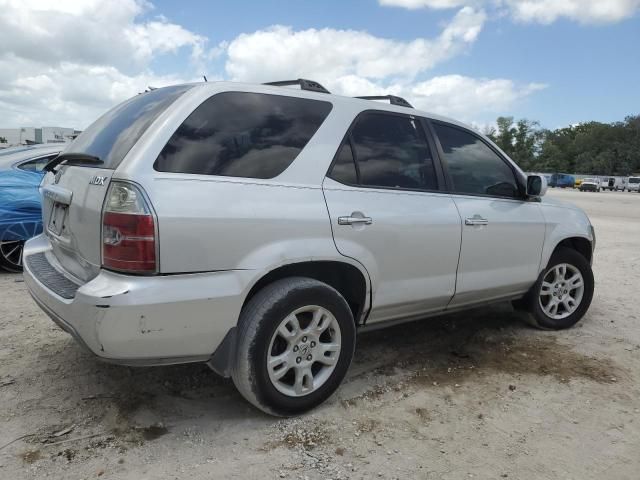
(590, 148)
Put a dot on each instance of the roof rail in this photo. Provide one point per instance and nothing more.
(304, 85)
(393, 100)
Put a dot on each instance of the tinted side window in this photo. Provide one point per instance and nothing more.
(344, 168)
(392, 151)
(240, 134)
(473, 167)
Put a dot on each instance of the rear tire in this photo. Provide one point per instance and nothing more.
(563, 293)
(296, 339)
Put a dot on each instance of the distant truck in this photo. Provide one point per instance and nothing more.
(590, 185)
(562, 180)
(615, 183)
(633, 185)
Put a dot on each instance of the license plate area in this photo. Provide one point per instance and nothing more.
(57, 218)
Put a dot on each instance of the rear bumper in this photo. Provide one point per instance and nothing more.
(591, 188)
(134, 320)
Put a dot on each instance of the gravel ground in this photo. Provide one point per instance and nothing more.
(474, 395)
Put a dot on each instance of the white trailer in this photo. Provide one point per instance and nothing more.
(614, 183)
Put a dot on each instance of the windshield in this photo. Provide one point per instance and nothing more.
(592, 180)
(111, 136)
(634, 179)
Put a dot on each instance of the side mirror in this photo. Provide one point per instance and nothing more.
(536, 185)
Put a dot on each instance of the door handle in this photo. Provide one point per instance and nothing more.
(354, 220)
(476, 220)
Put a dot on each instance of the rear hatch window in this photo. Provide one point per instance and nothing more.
(110, 138)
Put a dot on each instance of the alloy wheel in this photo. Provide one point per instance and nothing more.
(12, 241)
(561, 291)
(11, 252)
(304, 351)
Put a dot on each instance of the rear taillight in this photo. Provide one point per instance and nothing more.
(128, 230)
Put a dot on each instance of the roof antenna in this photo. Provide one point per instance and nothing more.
(205, 78)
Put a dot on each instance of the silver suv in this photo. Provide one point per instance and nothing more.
(258, 228)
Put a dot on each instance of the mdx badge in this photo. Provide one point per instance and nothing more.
(96, 180)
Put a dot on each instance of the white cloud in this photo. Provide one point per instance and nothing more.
(464, 98)
(68, 94)
(328, 54)
(583, 11)
(469, 98)
(540, 11)
(355, 63)
(416, 4)
(65, 62)
(91, 32)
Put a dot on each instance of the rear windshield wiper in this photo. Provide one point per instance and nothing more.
(72, 159)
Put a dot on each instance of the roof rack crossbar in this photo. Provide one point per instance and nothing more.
(304, 85)
(393, 100)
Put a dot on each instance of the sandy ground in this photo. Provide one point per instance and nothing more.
(475, 395)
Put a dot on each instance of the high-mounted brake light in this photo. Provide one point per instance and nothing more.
(128, 230)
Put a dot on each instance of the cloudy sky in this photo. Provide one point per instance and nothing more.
(558, 61)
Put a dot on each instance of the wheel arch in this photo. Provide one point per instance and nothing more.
(348, 279)
(582, 245)
(566, 227)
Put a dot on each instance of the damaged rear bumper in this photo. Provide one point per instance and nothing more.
(134, 320)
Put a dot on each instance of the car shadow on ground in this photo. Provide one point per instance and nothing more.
(6, 274)
(443, 350)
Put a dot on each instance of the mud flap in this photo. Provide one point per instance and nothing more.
(222, 359)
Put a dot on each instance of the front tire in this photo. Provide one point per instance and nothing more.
(296, 339)
(12, 239)
(563, 293)
(11, 255)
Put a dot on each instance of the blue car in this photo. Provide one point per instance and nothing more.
(21, 171)
(562, 180)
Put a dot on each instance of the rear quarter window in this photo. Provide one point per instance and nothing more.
(38, 164)
(240, 134)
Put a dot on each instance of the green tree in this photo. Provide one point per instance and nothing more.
(489, 131)
(588, 148)
(504, 137)
(3, 140)
(521, 141)
(527, 139)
